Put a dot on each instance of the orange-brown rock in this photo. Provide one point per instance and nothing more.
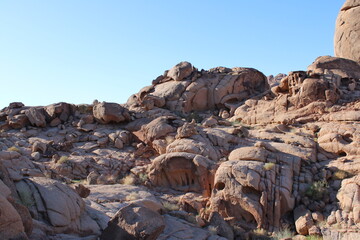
(255, 187)
(183, 171)
(213, 89)
(347, 32)
(106, 112)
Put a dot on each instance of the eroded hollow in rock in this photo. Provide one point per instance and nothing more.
(219, 186)
(183, 172)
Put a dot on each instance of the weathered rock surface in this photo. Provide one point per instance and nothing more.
(255, 187)
(60, 206)
(11, 225)
(347, 32)
(218, 153)
(179, 229)
(213, 89)
(134, 222)
(303, 97)
(183, 172)
(110, 112)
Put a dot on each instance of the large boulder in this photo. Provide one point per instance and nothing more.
(183, 172)
(349, 198)
(347, 32)
(180, 71)
(134, 222)
(303, 220)
(57, 206)
(61, 111)
(106, 112)
(247, 189)
(36, 116)
(342, 67)
(11, 224)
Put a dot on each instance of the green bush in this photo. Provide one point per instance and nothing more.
(318, 190)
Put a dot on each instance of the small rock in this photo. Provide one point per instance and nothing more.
(35, 156)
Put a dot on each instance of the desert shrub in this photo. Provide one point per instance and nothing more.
(63, 159)
(170, 206)
(84, 108)
(260, 231)
(143, 177)
(283, 234)
(259, 234)
(212, 229)
(132, 196)
(169, 139)
(268, 166)
(318, 190)
(128, 180)
(14, 149)
(194, 116)
(340, 175)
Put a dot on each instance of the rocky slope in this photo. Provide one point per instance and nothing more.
(212, 154)
(218, 154)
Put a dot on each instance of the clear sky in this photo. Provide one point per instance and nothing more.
(80, 50)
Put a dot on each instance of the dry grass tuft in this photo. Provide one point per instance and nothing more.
(170, 206)
(269, 166)
(14, 149)
(128, 180)
(132, 196)
(63, 159)
(340, 175)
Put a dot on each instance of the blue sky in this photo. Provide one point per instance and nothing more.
(80, 50)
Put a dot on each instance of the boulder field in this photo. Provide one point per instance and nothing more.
(225, 153)
(217, 154)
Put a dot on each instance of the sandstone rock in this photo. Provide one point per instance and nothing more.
(349, 197)
(180, 71)
(18, 121)
(187, 130)
(11, 226)
(112, 197)
(347, 31)
(342, 67)
(243, 186)
(342, 140)
(110, 112)
(61, 111)
(209, 90)
(134, 222)
(156, 129)
(303, 220)
(194, 146)
(183, 172)
(36, 116)
(222, 228)
(179, 229)
(58, 205)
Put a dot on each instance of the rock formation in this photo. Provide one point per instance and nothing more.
(200, 154)
(347, 32)
(218, 154)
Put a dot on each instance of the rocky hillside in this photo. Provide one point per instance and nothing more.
(218, 154)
